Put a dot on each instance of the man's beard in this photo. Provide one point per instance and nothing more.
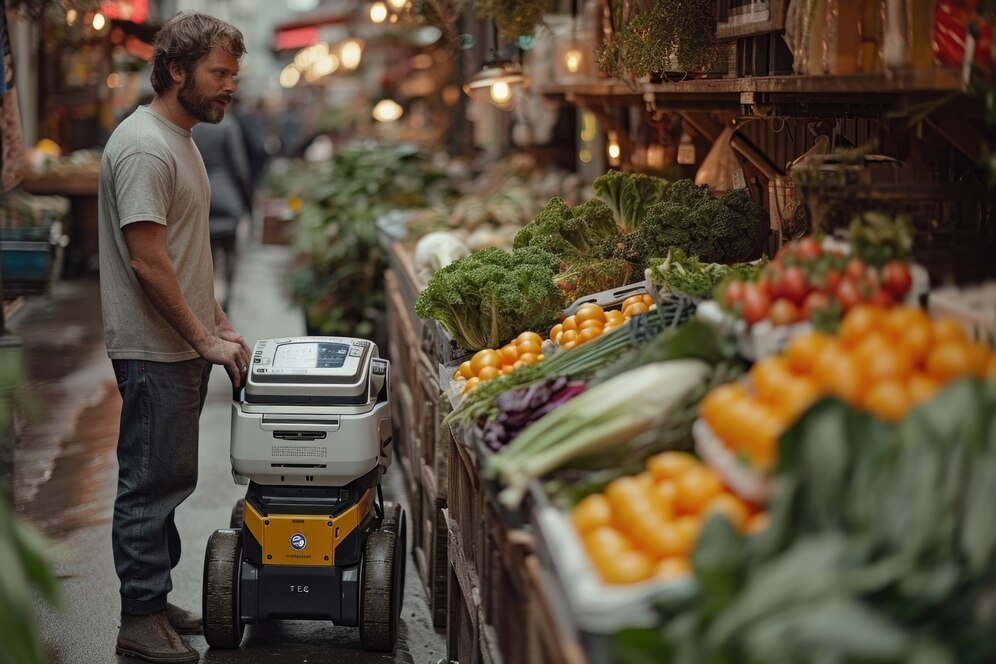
(200, 107)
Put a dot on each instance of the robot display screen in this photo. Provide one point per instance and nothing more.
(310, 356)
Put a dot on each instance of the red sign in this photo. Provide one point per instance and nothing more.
(135, 11)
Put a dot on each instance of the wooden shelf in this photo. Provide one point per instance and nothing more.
(857, 90)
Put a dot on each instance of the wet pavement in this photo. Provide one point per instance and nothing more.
(65, 475)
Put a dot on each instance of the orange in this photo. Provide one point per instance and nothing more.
(568, 336)
(716, 401)
(948, 360)
(888, 400)
(632, 299)
(592, 512)
(555, 330)
(589, 334)
(803, 350)
(635, 309)
(567, 345)
(529, 358)
(529, 335)
(569, 324)
(990, 371)
(797, 395)
(916, 339)
(672, 567)
(606, 540)
(485, 358)
(897, 320)
(507, 369)
(509, 353)
(626, 567)
(770, 377)
(614, 316)
(728, 505)
(665, 491)
(647, 299)
(688, 528)
(872, 344)
(860, 321)
(488, 373)
(839, 374)
(529, 346)
(671, 465)
(470, 384)
(465, 369)
(696, 487)
(979, 354)
(759, 438)
(587, 312)
(945, 329)
(590, 324)
(888, 363)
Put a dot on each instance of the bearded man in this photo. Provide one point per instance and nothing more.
(163, 328)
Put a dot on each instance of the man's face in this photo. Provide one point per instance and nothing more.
(207, 91)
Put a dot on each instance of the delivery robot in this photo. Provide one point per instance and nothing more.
(313, 537)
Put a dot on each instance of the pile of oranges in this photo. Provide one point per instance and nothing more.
(882, 361)
(490, 363)
(591, 321)
(645, 526)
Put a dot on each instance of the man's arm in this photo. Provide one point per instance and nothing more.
(225, 330)
(146, 242)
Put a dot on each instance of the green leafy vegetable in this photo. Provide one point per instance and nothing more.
(572, 234)
(629, 195)
(485, 299)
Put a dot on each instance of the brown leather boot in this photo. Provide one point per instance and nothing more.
(183, 621)
(153, 639)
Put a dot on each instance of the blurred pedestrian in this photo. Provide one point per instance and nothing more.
(224, 152)
(162, 325)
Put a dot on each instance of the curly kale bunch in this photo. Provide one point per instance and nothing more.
(727, 229)
(487, 298)
(572, 234)
(592, 276)
(629, 195)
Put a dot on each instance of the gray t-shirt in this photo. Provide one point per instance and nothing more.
(151, 171)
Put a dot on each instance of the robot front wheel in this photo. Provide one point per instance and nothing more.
(223, 626)
(382, 581)
(238, 514)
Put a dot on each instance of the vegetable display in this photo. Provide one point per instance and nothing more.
(680, 274)
(571, 234)
(880, 547)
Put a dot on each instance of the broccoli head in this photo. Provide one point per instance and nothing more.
(628, 195)
(485, 299)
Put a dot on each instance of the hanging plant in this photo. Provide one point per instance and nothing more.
(443, 14)
(513, 18)
(52, 12)
(654, 39)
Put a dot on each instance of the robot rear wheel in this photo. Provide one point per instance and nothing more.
(223, 626)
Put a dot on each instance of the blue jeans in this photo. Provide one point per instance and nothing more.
(157, 470)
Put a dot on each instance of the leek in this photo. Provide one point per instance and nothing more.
(602, 418)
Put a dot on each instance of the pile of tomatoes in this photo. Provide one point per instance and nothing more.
(805, 282)
(645, 526)
(487, 364)
(885, 361)
(591, 321)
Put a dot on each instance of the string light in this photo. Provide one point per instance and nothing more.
(378, 12)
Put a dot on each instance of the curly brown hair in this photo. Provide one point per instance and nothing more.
(185, 39)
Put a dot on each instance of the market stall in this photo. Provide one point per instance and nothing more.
(722, 392)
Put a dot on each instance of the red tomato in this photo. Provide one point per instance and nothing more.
(847, 293)
(733, 294)
(808, 248)
(896, 279)
(831, 279)
(855, 269)
(756, 303)
(815, 301)
(882, 298)
(794, 285)
(783, 312)
(772, 276)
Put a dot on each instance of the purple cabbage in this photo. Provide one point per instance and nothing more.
(520, 407)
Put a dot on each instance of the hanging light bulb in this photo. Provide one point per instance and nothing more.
(397, 5)
(613, 149)
(501, 92)
(387, 110)
(71, 17)
(573, 59)
(289, 77)
(99, 21)
(686, 149)
(378, 12)
(350, 54)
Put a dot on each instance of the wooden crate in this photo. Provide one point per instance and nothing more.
(508, 609)
(402, 344)
(547, 641)
(463, 634)
(465, 502)
(430, 544)
(426, 394)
